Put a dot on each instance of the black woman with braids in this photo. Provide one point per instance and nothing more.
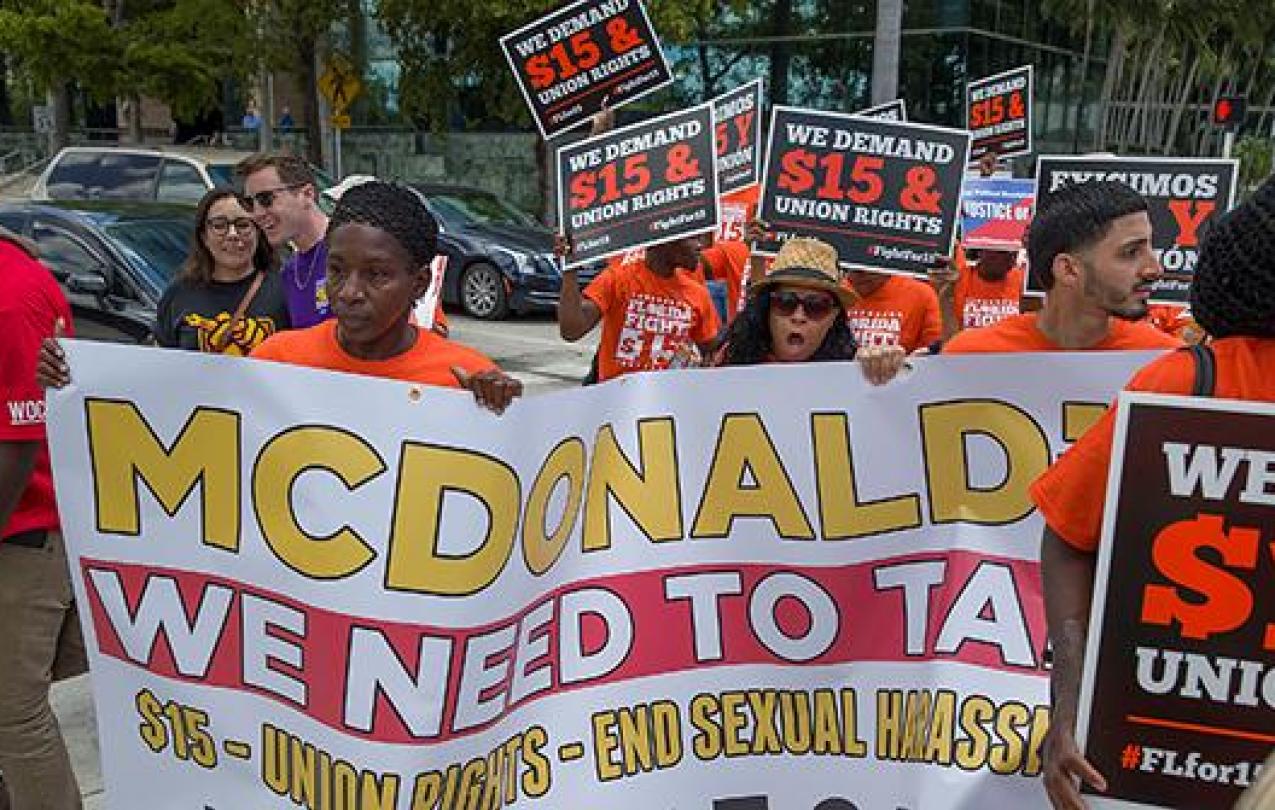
(1233, 299)
(381, 240)
(796, 313)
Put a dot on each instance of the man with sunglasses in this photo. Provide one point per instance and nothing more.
(281, 196)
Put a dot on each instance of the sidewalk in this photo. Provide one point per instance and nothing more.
(73, 703)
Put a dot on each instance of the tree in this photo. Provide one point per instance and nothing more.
(294, 35)
(55, 42)
(1168, 61)
(180, 51)
(176, 51)
(452, 68)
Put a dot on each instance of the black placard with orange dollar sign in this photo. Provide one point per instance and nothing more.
(647, 183)
(1178, 701)
(572, 61)
(886, 194)
(998, 111)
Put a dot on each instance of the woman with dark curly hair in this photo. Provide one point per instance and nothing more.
(797, 314)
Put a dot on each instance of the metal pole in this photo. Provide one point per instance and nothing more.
(336, 157)
(1228, 143)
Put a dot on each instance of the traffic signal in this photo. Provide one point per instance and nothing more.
(1229, 111)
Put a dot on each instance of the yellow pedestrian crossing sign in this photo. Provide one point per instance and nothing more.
(339, 84)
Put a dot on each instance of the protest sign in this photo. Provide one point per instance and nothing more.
(886, 194)
(896, 110)
(694, 589)
(736, 211)
(998, 113)
(1178, 698)
(427, 305)
(573, 60)
(737, 116)
(995, 212)
(647, 183)
(1184, 194)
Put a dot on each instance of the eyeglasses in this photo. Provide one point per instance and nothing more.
(817, 306)
(222, 225)
(265, 198)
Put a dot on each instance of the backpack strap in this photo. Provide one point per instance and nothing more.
(1205, 370)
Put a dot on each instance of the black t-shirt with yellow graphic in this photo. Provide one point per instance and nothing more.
(195, 316)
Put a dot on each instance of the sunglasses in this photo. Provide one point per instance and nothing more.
(817, 306)
(223, 225)
(265, 198)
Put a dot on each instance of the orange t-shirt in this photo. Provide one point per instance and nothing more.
(1070, 494)
(901, 312)
(1019, 333)
(984, 303)
(728, 261)
(428, 362)
(647, 318)
(1174, 320)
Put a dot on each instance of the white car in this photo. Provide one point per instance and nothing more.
(177, 174)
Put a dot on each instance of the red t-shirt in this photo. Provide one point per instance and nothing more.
(646, 318)
(901, 312)
(1020, 333)
(1071, 493)
(428, 362)
(983, 303)
(30, 304)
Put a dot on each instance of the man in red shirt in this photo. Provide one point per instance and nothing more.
(1090, 244)
(1233, 298)
(40, 637)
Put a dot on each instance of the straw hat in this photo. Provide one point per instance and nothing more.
(809, 263)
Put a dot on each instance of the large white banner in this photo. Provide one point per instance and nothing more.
(752, 589)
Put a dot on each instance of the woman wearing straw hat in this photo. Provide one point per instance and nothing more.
(797, 314)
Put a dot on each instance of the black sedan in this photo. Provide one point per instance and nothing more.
(499, 260)
(113, 260)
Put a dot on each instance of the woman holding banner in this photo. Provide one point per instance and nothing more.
(797, 314)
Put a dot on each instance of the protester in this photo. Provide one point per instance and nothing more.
(989, 161)
(1090, 244)
(894, 311)
(227, 298)
(987, 290)
(1233, 298)
(438, 320)
(648, 309)
(280, 194)
(797, 314)
(40, 638)
(251, 120)
(381, 242)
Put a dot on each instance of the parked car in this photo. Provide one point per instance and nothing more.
(112, 259)
(168, 174)
(499, 259)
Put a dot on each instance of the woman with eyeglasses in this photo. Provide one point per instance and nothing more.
(796, 313)
(227, 298)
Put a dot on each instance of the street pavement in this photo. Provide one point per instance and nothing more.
(527, 347)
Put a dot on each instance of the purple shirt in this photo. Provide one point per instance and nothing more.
(305, 276)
